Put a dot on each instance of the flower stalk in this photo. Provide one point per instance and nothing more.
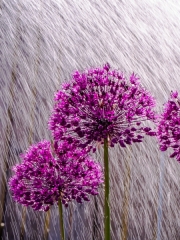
(61, 219)
(106, 200)
(124, 235)
(46, 225)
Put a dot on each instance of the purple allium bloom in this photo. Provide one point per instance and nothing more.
(168, 131)
(41, 180)
(101, 103)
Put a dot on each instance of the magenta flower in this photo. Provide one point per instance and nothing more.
(101, 104)
(169, 126)
(41, 180)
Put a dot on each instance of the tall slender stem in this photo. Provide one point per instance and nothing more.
(46, 225)
(22, 229)
(95, 220)
(106, 200)
(61, 219)
(159, 215)
(124, 235)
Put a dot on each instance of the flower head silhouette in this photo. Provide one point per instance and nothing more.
(169, 126)
(100, 104)
(41, 180)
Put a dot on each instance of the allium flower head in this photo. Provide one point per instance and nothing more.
(169, 126)
(101, 103)
(41, 180)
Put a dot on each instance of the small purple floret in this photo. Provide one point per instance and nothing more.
(99, 104)
(168, 131)
(41, 180)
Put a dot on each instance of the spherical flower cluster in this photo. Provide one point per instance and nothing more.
(169, 126)
(41, 180)
(101, 104)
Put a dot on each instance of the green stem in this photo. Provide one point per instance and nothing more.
(106, 200)
(61, 219)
